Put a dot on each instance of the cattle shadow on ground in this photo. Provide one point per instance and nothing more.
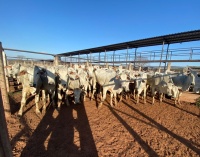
(26, 131)
(14, 105)
(60, 133)
(182, 140)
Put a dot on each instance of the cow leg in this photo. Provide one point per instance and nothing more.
(93, 91)
(121, 97)
(134, 93)
(59, 99)
(126, 96)
(161, 96)
(47, 98)
(89, 89)
(66, 98)
(44, 101)
(111, 96)
(100, 93)
(103, 98)
(115, 98)
(153, 92)
(84, 95)
(179, 102)
(145, 95)
(23, 102)
(37, 103)
(138, 96)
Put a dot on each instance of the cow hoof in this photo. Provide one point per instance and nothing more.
(38, 113)
(43, 111)
(19, 115)
(100, 104)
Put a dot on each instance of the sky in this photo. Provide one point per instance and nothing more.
(68, 25)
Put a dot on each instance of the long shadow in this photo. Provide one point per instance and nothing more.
(180, 108)
(186, 142)
(68, 134)
(133, 117)
(35, 145)
(26, 131)
(142, 143)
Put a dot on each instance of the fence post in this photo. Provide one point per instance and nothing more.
(5, 63)
(5, 147)
(4, 93)
(57, 60)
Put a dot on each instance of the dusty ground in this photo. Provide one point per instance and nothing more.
(125, 130)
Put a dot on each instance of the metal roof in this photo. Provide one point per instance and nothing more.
(167, 39)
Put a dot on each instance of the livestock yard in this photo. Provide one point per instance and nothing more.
(141, 111)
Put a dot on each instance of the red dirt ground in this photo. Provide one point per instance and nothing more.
(128, 129)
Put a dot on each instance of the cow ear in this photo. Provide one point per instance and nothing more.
(180, 90)
(77, 77)
(143, 81)
(117, 77)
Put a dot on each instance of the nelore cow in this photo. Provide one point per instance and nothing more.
(110, 81)
(35, 79)
(184, 81)
(140, 85)
(154, 81)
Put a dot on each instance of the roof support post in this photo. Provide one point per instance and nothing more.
(99, 58)
(166, 56)
(127, 57)
(90, 57)
(135, 57)
(87, 58)
(57, 60)
(79, 58)
(191, 52)
(113, 58)
(161, 53)
(105, 58)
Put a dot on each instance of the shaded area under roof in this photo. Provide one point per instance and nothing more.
(154, 41)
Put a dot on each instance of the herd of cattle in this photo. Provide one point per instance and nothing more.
(57, 83)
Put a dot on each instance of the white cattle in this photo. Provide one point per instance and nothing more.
(84, 81)
(73, 83)
(140, 84)
(13, 70)
(40, 79)
(170, 89)
(196, 87)
(153, 81)
(110, 82)
(28, 78)
(184, 81)
(92, 80)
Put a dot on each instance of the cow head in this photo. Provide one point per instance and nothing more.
(90, 71)
(140, 80)
(77, 95)
(168, 87)
(125, 80)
